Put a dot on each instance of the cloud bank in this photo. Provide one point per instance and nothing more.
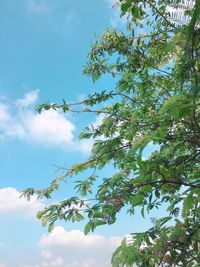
(3, 264)
(63, 248)
(74, 249)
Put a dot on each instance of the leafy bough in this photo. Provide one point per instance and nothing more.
(156, 101)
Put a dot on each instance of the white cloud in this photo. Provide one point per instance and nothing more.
(54, 262)
(4, 120)
(85, 146)
(77, 250)
(29, 99)
(12, 204)
(70, 20)
(50, 128)
(63, 248)
(4, 114)
(3, 264)
(67, 23)
(63, 25)
(98, 121)
(90, 262)
(59, 237)
(37, 6)
(46, 254)
(27, 265)
(115, 19)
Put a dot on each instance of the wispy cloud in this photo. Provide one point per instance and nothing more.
(115, 19)
(29, 99)
(37, 6)
(58, 17)
(68, 23)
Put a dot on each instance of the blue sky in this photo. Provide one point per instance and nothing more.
(43, 48)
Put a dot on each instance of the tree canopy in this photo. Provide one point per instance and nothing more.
(156, 70)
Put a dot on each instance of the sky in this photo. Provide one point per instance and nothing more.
(43, 48)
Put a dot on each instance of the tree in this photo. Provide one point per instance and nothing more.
(155, 101)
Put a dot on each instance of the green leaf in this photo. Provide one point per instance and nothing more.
(50, 227)
(39, 214)
(142, 212)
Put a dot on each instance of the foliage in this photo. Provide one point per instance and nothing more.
(155, 101)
